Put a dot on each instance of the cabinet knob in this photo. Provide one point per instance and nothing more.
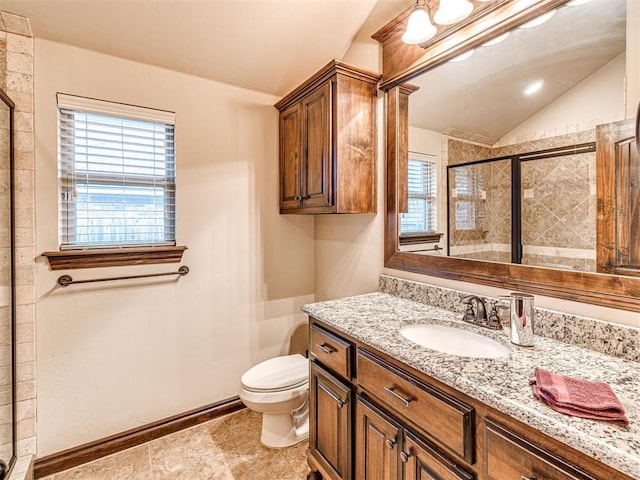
(404, 456)
(391, 443)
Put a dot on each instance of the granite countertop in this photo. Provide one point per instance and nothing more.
(502, 383)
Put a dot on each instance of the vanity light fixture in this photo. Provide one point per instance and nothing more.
(463, 56)
(533, 88)
(538, 20)
(419, 26)
(452, 11)
(497, 40)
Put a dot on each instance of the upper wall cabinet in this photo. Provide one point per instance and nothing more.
(328, 143)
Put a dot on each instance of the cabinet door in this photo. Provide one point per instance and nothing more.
(317, 185)
(290, 157)
(422, 461)
(509, 455)
(376, 443)
(618, 199)
(330, 422)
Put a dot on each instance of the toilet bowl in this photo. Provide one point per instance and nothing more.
(279, 388)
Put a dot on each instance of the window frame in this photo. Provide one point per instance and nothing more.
(116, 254)
(430, 200)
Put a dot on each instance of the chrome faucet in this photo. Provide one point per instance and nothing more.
(476, 313)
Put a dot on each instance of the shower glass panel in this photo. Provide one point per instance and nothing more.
(479, 206)
(7, 371)
(558, 199)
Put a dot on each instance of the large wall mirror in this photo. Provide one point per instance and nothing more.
(502, 134)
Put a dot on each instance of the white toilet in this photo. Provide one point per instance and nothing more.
(279, 389)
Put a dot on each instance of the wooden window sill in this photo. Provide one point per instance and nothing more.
(113, 257)
(416, 238)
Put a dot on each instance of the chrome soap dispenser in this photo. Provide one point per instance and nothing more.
(522, 316)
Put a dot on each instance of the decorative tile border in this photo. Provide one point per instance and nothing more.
(615, 340)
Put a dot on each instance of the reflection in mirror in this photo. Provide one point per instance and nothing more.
(479, 209)
(513, 127)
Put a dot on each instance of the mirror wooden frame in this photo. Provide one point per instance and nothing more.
(402, 62)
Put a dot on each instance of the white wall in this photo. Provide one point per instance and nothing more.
(597, 99)
(113, 356)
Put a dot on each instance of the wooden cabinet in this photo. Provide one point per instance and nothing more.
(377, 442)
(422, 461)
(510, 455)
(374, 418)
(330, 422)
(328, 143)
(330, 350)
(618, 199)
(439, 415)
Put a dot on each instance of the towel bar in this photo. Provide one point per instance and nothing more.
(66, 280)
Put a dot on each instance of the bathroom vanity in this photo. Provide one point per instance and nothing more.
(384, 407)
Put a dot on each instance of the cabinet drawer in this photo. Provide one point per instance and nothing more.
(330, 350)
(442, 417)
(509, 455)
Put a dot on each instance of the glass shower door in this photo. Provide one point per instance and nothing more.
(559, 202)
(7, 370)
(480, 210)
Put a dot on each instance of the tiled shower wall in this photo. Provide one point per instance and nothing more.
(558, 205)
(16, 79)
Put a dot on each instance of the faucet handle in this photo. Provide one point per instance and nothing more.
(469, 313)
(494, 319)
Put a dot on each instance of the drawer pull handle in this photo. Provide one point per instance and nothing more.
(326, 349)
(532, 477)
(391, 443)
(338, 400)
(404, 456)
(406, 400)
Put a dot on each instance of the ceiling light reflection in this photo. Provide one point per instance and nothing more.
(463, 56)
(539, 20)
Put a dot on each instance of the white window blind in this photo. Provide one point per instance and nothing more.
(116, 167)
(422, 191)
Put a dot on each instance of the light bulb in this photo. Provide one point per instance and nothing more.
(533, 88)
(452, 11)
(419, 27)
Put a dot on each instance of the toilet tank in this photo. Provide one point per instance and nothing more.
(299, 339)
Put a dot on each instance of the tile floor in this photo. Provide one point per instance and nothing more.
(227, 448)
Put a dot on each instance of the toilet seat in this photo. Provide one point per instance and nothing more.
(277, 374)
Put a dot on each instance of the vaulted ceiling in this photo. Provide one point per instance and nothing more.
(264, 45)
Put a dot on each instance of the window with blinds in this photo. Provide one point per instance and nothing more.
(116, 167)
(421, 216)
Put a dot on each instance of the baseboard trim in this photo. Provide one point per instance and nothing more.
(91, 451)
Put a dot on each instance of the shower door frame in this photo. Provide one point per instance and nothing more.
(7, 100)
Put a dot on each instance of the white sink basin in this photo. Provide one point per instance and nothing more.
(454, 341)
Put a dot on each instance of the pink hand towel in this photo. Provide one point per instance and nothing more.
(580, 398)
